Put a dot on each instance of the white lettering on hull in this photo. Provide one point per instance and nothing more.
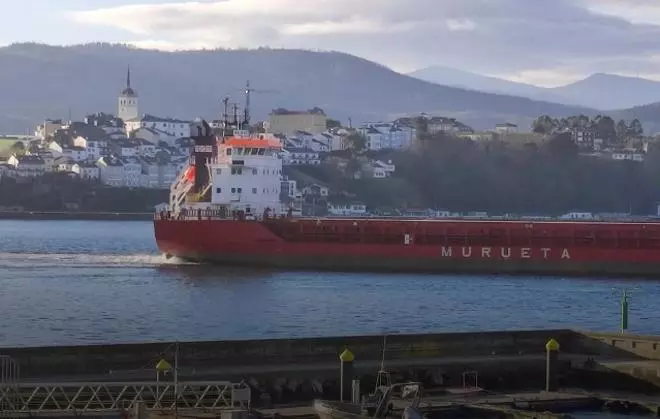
(505, 253)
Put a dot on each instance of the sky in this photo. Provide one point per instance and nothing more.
(542, 42)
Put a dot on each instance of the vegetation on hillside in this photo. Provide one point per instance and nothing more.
(461, 175)
(60, 192)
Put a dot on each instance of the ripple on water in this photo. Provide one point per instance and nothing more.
(92, 282)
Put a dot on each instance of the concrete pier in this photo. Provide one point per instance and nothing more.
(280, 372)
(508, 360)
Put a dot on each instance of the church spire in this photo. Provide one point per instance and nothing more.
(128, 77)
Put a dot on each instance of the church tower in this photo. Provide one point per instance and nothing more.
(127, 108)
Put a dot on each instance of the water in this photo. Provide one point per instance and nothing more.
(81, 282)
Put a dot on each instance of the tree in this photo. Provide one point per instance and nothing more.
(605, 128)
(636, 130)
(621, 130)
(356, 141)
(18, 148)
(332, 123)
(544, 125)
(562, 145)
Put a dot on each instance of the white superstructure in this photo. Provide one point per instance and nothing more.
(247, 173)
(244, 176)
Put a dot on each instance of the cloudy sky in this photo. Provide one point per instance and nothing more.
(545, 42)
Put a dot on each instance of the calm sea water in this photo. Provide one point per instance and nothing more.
(76, 282)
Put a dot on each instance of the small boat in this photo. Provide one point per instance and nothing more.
(379, 405)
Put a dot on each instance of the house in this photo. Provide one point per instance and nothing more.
(145, 147)
(630, 155)
(76, 153)
(387, 135)
(287, 122)
(353, 209)
(300, 156)
(374, 138)
(125, 148)
(27, 165)
(64, 164)
(379, 169)
(316, 190)
(111, 171)
(289, 188)
(131, 172)
(107, 122)
(155, 136)
(478, 136)
(48, 128)
(156, 175)
(49, 161)
(96, 148)
(170, 127)
(506, 128)
(55, 148)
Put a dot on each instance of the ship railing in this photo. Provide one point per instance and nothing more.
(186, 214)
(219, 214)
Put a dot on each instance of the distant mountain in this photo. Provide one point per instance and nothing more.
(608, 91)
(473, 81)
(39, 81)
(599, 91)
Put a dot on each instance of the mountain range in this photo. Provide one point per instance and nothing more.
(598, 91)
(40, 81)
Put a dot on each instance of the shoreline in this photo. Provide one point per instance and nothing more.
(76, 216)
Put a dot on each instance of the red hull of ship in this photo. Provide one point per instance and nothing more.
(418, 245)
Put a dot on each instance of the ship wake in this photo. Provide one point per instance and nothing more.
(84, 260)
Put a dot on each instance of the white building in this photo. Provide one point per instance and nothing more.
(27, 166)
(316, 190)
(131, 172)
(75, 153)
(174, 128)
(96, 148)
(630, 155)
(300, 156)
(506, 128)
(89, 171)
(155, 136)
(127, 103)
(387, 135)
(354, 209)
(111, 171)
(157, 176)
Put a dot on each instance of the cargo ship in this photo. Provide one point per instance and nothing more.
(225, 208)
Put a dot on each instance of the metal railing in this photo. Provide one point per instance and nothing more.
(9, 387)
(94, 398)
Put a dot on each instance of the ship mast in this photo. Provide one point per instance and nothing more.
(246, 112)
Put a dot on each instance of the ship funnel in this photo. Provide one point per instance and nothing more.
(204, 151)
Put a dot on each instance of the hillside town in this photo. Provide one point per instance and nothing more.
(139, 150)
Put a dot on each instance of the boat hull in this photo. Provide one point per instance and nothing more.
(257, 244)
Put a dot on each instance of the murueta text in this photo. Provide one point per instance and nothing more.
(472, 252)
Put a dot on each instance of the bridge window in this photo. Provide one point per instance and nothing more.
(254, 191)
(240, 190)
(233, 190)
(255, 171)
(218, 171)
(218, 190)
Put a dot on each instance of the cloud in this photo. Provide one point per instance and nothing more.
(525, 38)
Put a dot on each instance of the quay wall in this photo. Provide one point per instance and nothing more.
(421, 348)
(100, 359)
(616, 345)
